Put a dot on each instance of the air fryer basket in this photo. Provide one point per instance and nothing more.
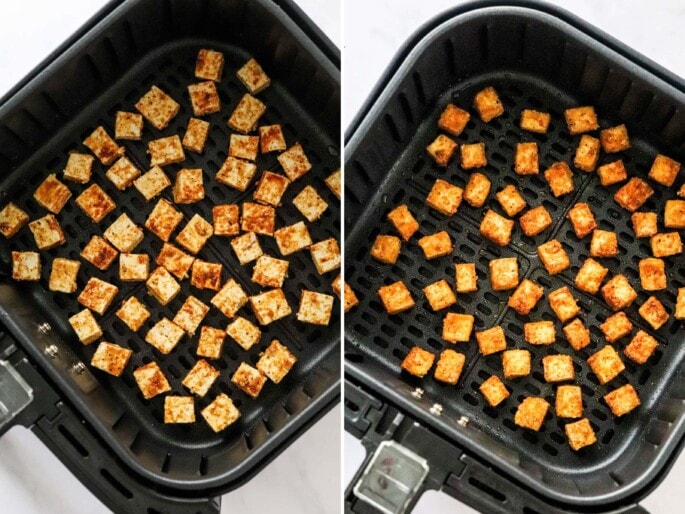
(535, 57)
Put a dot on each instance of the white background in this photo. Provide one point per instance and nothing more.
(305, 479)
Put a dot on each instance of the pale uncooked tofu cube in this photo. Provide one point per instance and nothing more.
(99, 253)
(163, 220)
(246, 248)
(230, 298)
(292, 238)
(195, 234)
(294, 162)
(166, 150)
(98, 295)
(196, 135)
(315, 308)
(270, 272)
(211, 342)
(253, 77)
(179, 409)
(152, 183)
(128, 125)
(209, 64)
(47, 232)
(270, 306)
(63, 275)
(12, 218)
(162, 286)
(189, 186)
(310, 204)
(151, 380)
(276, 361)
(326, 255)
(158, 107)
(270, 188)
(191, 314)
(124, 234)
(221, 413)
(245, 333)
(95, 203)
(236, 173)
(79, 167)
(111, 358)
(164, 335)
(86, 326)
(204, 98)
(122, 173)
(246, 115)
(200, 378)
(133, 313)
(103, 146)
(249, 379)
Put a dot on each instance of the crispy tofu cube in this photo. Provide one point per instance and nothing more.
(230, 298)
(204, 98)
(52, 194)
(606, 364)
(449, 367)
(526, 296)
(664, 170)
(618, 293)
(157, 107)
(680, 304)
(209, 64)
(396, 297)
(12, 218)
(249, 379)
(334, 183)
(163, 220)
(128, 125)
(444, 197)
(563, 304)
(590, 276)
(496, 228)
(539, 332)
(243, 147)
(612, 173)
(436, 245)
(569, 401)
(162, 286)
(622, 400)
(582, 219)
(111, 358)
(442, 149)
(226, 220)
(151, 380)
(247, 248)
(124, 234)
(558, 368)
(164, 335)
(666, 245)
(99, 253)
(166, 150)
(345, 293)
(504, 273)
(196, 135)
(644, 224)
(315, 308)
(98, 295)
(270, 272)
(189, 186)
(270, 188)
(581, 119)
(276, 361)
(245, 116)
(491, 340)
(494, 391)
(292, 238)
(152, 183)
(674, 214)
(476, 191)
(652, 274)
(103, 146)
(271, 139)
(511, 200)
(553, 257)
(206, 275)
(221, 413)
(535, 121)
(535, 221)
(531, 413)
(311, 205)
(616, 326)
(587, 153)
(603, 244)
(488, 104)
(326, 255)
(253, 77)
(195, 234)
(440, 295)
(63, 275)
(245, 333)
(453, 120)
(175, 261)
(418, 362)
(466, 278)
(133, 313)
(260, 219)
(294, 162)
(515, 363)
(179, 409)
(473, 156)
(580, 434)
(526, 159)
(641, 347)
(386, 249)
(654, 312)
(86, 326)
(615, 139)
(236, 173)
(79, 167)
(26, 266)
(211, 343)
(560, 179)
(200, 377)
(577, 334)
(633, 194)
(457, 328)
(95, 203)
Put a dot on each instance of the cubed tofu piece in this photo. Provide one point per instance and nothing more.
(526, 159)
(444, 197)
(124, 234)
(209, 64)
(311, 205)
(247, 248)
(580, 434)
(473, 156)
(403, 220)
(558, 368)
(535, 221)
(457, 328)
(204, 98)
(99, 253)
(442, 149)
(315, 308)
(243, 147)
(189, 186)
(270, 272)
(604, 243)
(179, 409)
(553, 257)
(396, 297)
(95, 203)
(226, 219)
(496, 228)
(103, 146)
(333, 182)
(615, 139)
(511, 200)
(206, 275)
(418, 362)
(250, 380)
(12, 218)
(616, 326)
(294, 162)
(175, 261)
(680, 304)
(163, 220)
(162, 286)
(246, 114)
(98, 295)
(236, 173)
(166, 150)
(581, 119)
(111, 358)
(641, 347)
(271, 188)
(271, 139)
(63, 275)
(79, 167)
(504, 273)
(465, 277)
(590, 276)
(612, 173)
(52, 194)
(674, 214)
(560, 179)
(654, 312)
(652, 274)
(260, 219)
(152, 183)
(253, 77)
(666, 244)
(128, 125)
(230, 298)
(449, 367)
(440, 295)
(211, 342)
(453, 120)
(195, 234)
(151, 380)
(487, 104)
(515, 363)
(200, 377)
(563, 304)
(134, 313)
(568, 401)
(386, 249)
(606, 364)
(164, 335)
(526, 296)
(196, 135)
(587, 153)
(157, 107)
(531, 413)
(622, 400)
(535, 121)
(326, 255)
(476, 191)
(494, 391)
(618, 293)
(345, 293)
(436, 245)
(221, 413)
(664, 170)
(582, 219)
(644, 224)
(633, 194)
(245, 333)
(577, 334)
(86, 326)
(539, 332)
(491, 340)
(292, 238)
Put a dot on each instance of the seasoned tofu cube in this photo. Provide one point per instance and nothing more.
(63, 275)
(457, 328)
(133, 313)
(560, 179)
(476, 191)
(641, 347)
(654, 312)
(157, 107)
(200, 377)
(577, 334)
(449, 367)
(179, 409)
(553, 257)
(664, 170)
(622, 400)
(334, 183)
(271, 139)
(618, 293)
(189, 186)
(526, 159)
(315, 308)
(270, 272)
(580, 434)
(253, 77)
(666, 245)
(152, 183)
(26, 266)
(615, 139)
(496, 228)
(590, 276)
(444, 197)
(226, 220)
(418, 362)
(247, 248)
(164, 335)
(436, 245)
(124, 234)
(491, 340)
(86, 327)
(568, 401)
(511, 200)
(99, 253)
(270, 188)
(95, 203)
(644, 224)
(453, 120)
(221, 413)
(230, 298)
(535, 121)
(515, 363)
(440, 295)
(206, 275)
(473, 156)
(535, 221)
(582, 219)
(563, 304)
(12, 218)
(326, 255)
(531, 413)
(504, 273)
(310, 204)
(209, 64)
(466, 278)
(488, 104)
(292, 238)
(128, 125)
(526, 296)
(581, 119)
(346, 294)
(396, 297)
(204, 98)
(175, 261)
(236, 173)
(603, 244)
(151, 380)
(166, 150)
(245, 333)
(674, 214)
(294, 162)
(47, 232)
(494, 391)
(386, 249)
(616, 326)
(652, 274)
(195, 234)
(680, 304)
(211, 342)
(249, 379)
(163, 220)
(539, 332)
(52, 194)
(558, 368)
(245, 116)
(612, 173)
(633, 194)
(243, 147)
(260, 219)
(606, 364)
(103, 146)
(111, 358)
(162, 286)
(79, 167)
(587, 153)
(442, 149)
(196, 135)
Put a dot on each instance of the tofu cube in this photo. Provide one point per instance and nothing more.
(590, 276)
(491, 340)
(606, 364)
(12, 218)
(311, 205)
(580, 434)
(196, 135)
(644, 224)
(221, 413)
(466, 278)
(453, 120)
(664, 170)
(249, 380)
(175, 261)
(211, 343)
(189, 186)
(95, 203)
(612, 173)
(236, 173)
(616, 326)
(271, 139)
(124, 234)
(206, 275)
(230, 298)
(618, 293)
(157, 107)
(133, 313)
(577, 334)
(245, 116)
(603, 244)
(209, 64)
(680, 304)
(666, 245)
(163, 220)
(487, 104)
(128, 125)
(457, 328)
(553, 256)
(526, 159)
(79, 167)
(270, 272)
(326, 255)
(440, 295)
(504, 273)
(190, 315)
(674, 214)
(162, 286)
(476, 191)
(99, 253)
(166, 150)
(511, 200)
(270, 188)
(539, 332)
(633, 194)
(152, 183)
(496, 228)
(622, 400)
(276, 361)
(560, 179)
(615, 139)
(111, 358)
(294, 162)
(396, 297)
(52, 194)
(652, 274)
(449, 367)
(442, 149)
(494, 391)
(247, 248)
(226, 220)
(179, 409)
(535, 121)
(345, 293)
(260, 219)
(473, 156)
(563, 304)
(581, 119)
(558, 368)
(86, 326)
(582, 219)
(204, 98)
(587, 153)
(195, 234)
(292, 238)
(386, 249)
(526, 296)
(334, 183)
(98, 295)
(436, 245)
(515, 363)
(641, 347)
(315, 308)
(253, 77)
(243, 147)
(270, 306)
(569, 401)
(151, 380)
(404, 221)
(418, 362)
(63, 275)
(164, 335)
(654, 312)
(535, 221)
(444, 197)
(200, 377)
(531, 413)
(245, 333)
(103, 146)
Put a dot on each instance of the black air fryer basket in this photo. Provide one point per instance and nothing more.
(98, 425)
(538, 57)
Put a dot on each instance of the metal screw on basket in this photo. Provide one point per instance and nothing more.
(79, 368)
(463, 421)
(417, 393)
(44, 328)
(436, 409)
(52, 350)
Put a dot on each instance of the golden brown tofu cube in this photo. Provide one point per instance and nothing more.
(245, 116)
(616, 326)
(442, 149)
(151, 380)
(111, 358)
(457, 328)
(580, 434)
(243, 147)
(612, 173)
(326, 255)
(577, 334)
(477, 190)
(590, 276)
(560, 179)
(654, 312)
(440, 295)
(553, 257)
(310, 204)
(466, 278)
(133, 313)
(582, 219)
(652, 274)
(204, 98)
(221, 413)
(666, 245)
(79, 167)
(211, 342)
(644, 224)
(162, 286)
(99, 253)
(209, 64)
(664, 170)
(436, 245)
(535, 121)
(189, 186)
(535, 221)
(200, 378)
(622, 400)
(85, 326)
(124, 234)
(603, 244)
(345, 293)
(152, 183)
(12, 218)
(98, 295)
(558, 368)
(174, 260)
(396, 298)
(488, 104)
(157, 107)
(526, 296)
(163, 220)
(531, 413)
(179, 409)
(245, 333)
(568, 401)
(606, 364)
(515, 363)
(103, 146)
(496, 228)
(276, 361)
(418, 362)
(494, 391)
(587, 153)
(539, 332)
(618, 293)
(386, 249)
(128, 125)
(473, 156)
(249, 379)
(453, 120)
(615, 139)
(633, 194)
(315, 308)
(674, 214)
(680, 304)
(404, 221)
(270, 306)
(226, 220)
(292, 238)
(164, 335)
(52, 194)
(253, 77)
(270, 272)
(526, 159)
(271, 139)
(230, 298)
(195, 234)
(581, 119)
(491, 340)
(95, 203)
(444, 197)
(294, 162)
(196, 135)
(166, 150)
(63, 275)
(511, 200)
(504, 273)
(236, 173)
(563, 304)
(449, 367)
(270, 188)
(26, 266)
(641, 347)
(134, 267)
(247, 248)
(206, 275)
